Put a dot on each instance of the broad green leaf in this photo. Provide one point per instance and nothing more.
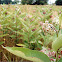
(28, 54)
(57, 44)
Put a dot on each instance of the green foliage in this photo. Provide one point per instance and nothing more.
(29, 36)
(32, 2)
(58, 2)
(28, 54)
(28, 30)
(42, 2)
(7, 1)
(48, 38)
(47, 14)
(0, 1)
(26, 1)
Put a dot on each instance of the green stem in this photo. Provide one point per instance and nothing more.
(16, 26)
(58, 49)
(28, 40)
(57, 56)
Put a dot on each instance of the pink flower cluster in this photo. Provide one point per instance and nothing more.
(47, 27)
(50, 54)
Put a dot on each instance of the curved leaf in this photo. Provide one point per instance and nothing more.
(28, 54)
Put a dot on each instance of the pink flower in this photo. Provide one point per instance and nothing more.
(41, 23)
(59, 56)
(51, 59)
(50, 9)
(29, 16)
(46, 21)
(61, 52)
(49, 49)
(34, 11)
(49, 54)
(47, 29)
(32, 19)
(51, 16)
(53, 54)
(59, 12)
(42, 51)
(44, 12)
(25, 19)
(20, 12)
(0, 25)
(33, 29)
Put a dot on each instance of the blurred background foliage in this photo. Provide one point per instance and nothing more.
(29, 2)
(58, 2)
(33, 2)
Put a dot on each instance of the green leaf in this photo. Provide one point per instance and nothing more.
(11, 29)
(61, 31)
(57, 44)
(20, 45)
(57, 27)
(28, 54)
(12, 36)
(4, 35)
(60, 20)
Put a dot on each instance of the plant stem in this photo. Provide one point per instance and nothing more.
(58, 49)
(57, 52)
(57, 56)
(28, 40)
(16, 32)
(22, 60)
(16, 26)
